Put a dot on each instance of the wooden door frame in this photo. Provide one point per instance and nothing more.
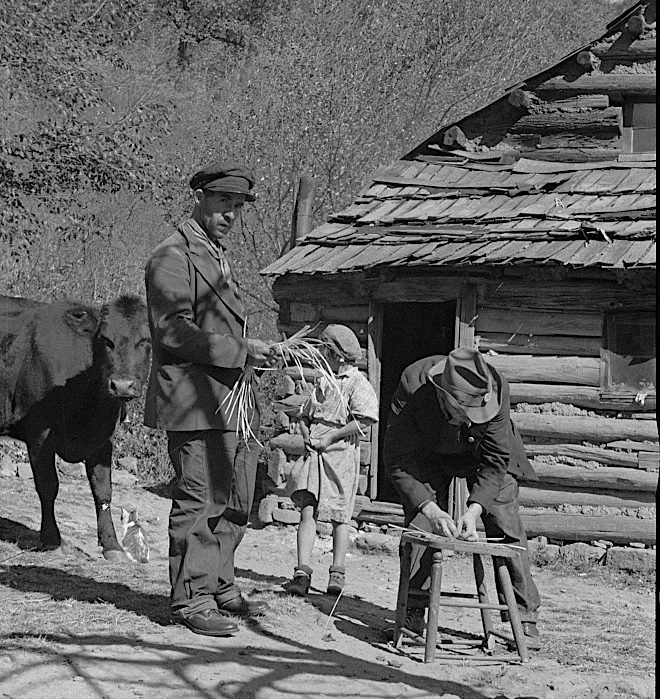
(466, 312)
(374, 353)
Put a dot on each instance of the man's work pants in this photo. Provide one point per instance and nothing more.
(211, 502)
(502, 521)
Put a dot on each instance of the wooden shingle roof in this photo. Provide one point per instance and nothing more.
(418, 213)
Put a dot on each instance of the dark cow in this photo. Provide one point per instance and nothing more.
(66, 372)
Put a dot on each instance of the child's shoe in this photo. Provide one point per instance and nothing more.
(299, 584)
(337, 580)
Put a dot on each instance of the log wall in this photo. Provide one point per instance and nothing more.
(594, 455)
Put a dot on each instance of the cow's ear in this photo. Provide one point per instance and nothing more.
(82, 321)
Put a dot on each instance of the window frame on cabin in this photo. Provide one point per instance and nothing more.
(628, 352)
(639, 127)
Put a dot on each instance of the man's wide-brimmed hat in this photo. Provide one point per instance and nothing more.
(466, 381)
(225, 176)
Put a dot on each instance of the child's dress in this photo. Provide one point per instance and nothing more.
(332, 476)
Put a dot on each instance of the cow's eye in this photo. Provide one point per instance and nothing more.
(108, 343)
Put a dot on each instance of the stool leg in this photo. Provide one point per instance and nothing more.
(514, 616)
(434, 608)
(482, 594)
(402, 596)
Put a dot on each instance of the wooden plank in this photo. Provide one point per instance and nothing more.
(374, 351)
(466, 314)
(633, 446)
(579, 102)
(556, 525)
(608, 457)
(288, 329)
(587, 397)
(303, 312)
(572, 155)
(430, 289)
(532, 145)
(594, 479)
(634, 85)
(345, 314)
(516, 343)
(556, 121)
(527, 322)
(524, 368)
(567, 527)
(638, 51)
(584, 429)
(649, 461)
(323, 290)
(538, 497)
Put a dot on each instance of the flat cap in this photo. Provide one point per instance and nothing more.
(343, 341)
(225, 176)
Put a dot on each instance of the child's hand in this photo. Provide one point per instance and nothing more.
(325, 442)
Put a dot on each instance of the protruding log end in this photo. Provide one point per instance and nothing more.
(588, 60)
(636, 25)
(520, 98)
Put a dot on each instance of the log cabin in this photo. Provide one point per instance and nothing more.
(526, 229)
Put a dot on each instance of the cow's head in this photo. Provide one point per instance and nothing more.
(123, 347)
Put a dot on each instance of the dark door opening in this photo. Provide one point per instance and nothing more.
(411, 331)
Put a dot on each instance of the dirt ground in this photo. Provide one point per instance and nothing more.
(76, 626)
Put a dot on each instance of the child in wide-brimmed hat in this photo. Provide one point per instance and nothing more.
(324, 482)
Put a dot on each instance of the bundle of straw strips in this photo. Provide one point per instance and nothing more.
(299, 350)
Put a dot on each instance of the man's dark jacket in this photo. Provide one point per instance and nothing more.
(420, 443)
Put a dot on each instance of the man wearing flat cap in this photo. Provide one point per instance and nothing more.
(450, 417)
(200, 349)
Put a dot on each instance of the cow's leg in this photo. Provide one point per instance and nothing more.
(47, 483)
(98, 469)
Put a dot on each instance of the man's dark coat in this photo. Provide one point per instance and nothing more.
(420, 443)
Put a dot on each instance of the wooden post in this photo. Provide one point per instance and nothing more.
(303, 210)
(466, 313)
(374, 351)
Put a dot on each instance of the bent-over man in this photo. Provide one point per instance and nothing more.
(450, 417)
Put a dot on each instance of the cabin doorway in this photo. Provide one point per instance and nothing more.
(411, 331)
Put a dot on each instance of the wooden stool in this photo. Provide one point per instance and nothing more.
(477, 549)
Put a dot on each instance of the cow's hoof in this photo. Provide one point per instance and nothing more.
(50, 545)
(115, 555)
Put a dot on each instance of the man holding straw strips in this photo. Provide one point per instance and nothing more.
(201, 350)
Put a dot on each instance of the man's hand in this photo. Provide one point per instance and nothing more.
(440, 521)
(467, 524)
(259, 353)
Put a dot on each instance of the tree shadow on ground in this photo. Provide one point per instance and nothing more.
(62, 585)
(276, 666)
(16, 533)
(170, 666)
(260, 577)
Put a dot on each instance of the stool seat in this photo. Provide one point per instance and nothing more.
(437, 598)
